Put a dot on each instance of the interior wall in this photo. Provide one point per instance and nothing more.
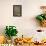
(26, 24)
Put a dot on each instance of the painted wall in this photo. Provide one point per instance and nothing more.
(26, 24)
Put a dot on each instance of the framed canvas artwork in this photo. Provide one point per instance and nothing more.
(17, 10)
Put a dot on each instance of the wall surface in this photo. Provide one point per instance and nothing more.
(26, 24)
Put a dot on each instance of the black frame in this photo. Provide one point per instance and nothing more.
(17, 10)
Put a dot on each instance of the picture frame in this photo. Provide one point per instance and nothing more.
(17, 10)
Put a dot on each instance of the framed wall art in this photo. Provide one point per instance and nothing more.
(17, 10)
